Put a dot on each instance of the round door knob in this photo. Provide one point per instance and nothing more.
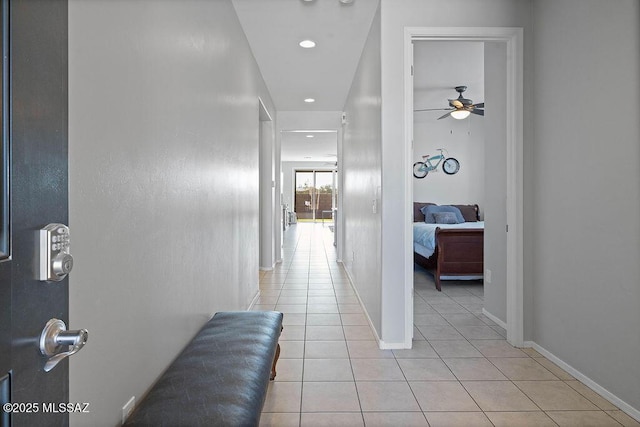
(62, 264)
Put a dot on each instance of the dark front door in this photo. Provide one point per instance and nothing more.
(35, 166)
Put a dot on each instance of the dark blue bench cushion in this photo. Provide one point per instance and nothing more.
(220, 378)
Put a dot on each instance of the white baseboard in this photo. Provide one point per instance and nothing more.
(606, 394)
(391, 345)
(494, 319)
(254, 300)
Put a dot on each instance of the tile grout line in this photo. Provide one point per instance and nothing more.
(353, 375)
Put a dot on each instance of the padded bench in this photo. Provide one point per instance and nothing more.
(220, 378)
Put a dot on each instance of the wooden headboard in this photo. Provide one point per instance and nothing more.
(471, 213)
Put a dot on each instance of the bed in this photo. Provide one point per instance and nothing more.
(452, 251)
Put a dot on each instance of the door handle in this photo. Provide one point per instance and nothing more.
(55, 337)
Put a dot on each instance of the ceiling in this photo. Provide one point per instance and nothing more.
(275, 27)
(299, 146)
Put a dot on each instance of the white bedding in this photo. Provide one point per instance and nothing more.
(424, 235)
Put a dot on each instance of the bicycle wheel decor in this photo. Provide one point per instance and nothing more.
(450, 166)
(420, 170)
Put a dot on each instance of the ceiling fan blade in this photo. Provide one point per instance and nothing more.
(456, 103)
(477, 111)
(480, 105)
(445, 115)
(432, 109)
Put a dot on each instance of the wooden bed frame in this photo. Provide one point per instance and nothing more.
(459, 252)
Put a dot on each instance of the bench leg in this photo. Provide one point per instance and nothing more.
(275, 360)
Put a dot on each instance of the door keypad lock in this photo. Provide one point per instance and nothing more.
(55, 338)
(55, 257)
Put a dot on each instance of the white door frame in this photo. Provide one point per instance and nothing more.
(269, 222)
(513, 38)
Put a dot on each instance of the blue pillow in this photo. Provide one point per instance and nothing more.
(429, 210)
(445, 218)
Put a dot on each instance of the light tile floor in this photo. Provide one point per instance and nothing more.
(460, 371)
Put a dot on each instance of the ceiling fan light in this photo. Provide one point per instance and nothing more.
(460, 114)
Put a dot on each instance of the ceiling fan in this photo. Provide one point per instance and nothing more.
(460, 107)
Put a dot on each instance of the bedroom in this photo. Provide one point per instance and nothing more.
(477, 143)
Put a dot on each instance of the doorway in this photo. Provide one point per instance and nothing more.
(439, 68)
(310, 177)
(268, 225)
(315, 195)
(511, 39)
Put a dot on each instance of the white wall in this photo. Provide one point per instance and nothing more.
(438, 68)
(495, 182)
(361, 166)
(461, 139)
(163, 148)
(586, 189)
(308, 120)
(396, 206)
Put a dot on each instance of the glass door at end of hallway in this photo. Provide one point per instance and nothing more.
(315, 195)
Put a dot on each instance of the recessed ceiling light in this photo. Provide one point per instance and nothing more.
(307, 44)
(309, 136)
(346, 1)
(309, 100)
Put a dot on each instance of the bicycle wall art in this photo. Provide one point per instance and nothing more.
(430, 163)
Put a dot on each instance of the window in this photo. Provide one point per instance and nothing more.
(314, 194)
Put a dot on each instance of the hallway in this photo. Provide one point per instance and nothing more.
(460, 371)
